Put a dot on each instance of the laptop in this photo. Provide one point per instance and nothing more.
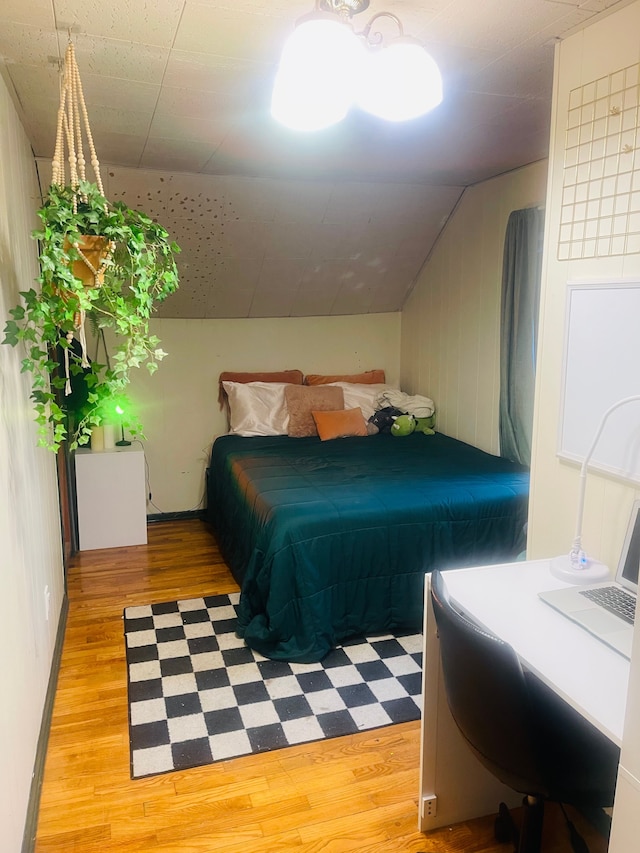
(595, 606)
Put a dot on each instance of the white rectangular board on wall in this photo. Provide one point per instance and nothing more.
(601, 366)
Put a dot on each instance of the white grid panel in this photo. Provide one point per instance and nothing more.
(601, 190)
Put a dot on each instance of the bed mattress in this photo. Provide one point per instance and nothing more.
(332, 539)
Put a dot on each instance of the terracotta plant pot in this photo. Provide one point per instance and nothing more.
(96, 250)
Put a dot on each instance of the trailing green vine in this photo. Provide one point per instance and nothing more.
(139, 274)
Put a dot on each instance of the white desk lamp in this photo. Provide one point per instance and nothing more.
(576, 566)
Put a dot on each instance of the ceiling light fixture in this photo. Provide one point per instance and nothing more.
(327, 67)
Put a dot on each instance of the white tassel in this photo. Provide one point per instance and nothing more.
(67, 387)
(82, 337)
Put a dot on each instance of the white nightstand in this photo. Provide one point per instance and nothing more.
(111, 498)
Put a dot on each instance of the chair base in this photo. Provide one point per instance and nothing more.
(531, 829)
(504, 827)
(527, 838)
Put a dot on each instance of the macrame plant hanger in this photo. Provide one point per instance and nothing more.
(73, 120)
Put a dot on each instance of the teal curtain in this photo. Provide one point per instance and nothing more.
(522, 268)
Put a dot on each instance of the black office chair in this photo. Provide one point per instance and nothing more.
(521, 731)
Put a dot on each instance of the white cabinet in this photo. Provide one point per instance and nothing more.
(111, 498)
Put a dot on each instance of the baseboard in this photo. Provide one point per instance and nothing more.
(175, 516)
(31, 821)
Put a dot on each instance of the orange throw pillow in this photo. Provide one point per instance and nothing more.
(342, 424)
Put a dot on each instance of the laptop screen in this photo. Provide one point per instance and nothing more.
(630, 557)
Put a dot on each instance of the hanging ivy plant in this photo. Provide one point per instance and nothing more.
(137, 273)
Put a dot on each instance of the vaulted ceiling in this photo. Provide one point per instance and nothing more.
(272, 222)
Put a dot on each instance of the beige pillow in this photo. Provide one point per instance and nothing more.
(302, 400)
(341, 424)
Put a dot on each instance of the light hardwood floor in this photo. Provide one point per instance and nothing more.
(357, 793)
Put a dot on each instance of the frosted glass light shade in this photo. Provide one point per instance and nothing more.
(400, 82)
(319, 70)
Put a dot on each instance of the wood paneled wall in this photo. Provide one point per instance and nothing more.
(450, 344)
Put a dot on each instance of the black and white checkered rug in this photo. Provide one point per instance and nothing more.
(198, 694)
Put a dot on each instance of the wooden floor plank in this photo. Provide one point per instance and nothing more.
(357, 793)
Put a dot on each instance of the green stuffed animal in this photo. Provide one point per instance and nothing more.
(426, 425)
(403, 425)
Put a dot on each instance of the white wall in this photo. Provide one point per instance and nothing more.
(451, 322)
(178, 405)
(29, 515)
(604, 47)
(597, 51)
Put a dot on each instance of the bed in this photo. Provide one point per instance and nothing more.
(331, 539)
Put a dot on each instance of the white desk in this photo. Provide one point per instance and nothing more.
(504, 600)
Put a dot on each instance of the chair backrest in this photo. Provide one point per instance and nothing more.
(488, 696)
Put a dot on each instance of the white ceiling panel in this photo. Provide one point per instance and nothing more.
(282, 274)
(300, 201)
(40, 125)
(230, 33)
(35, 83)
(272, 222)
(240, 273)
(211, 73)
(495, 24)
(26, 13)
(175, 154)
(149, 22)
(518, 84)
(123, 60)
(208, 130)
(109, 92)
(196, 103)
(26, 45)
(318, 290)
(289, 239)
(244, 239)
(249, 200)
(188, 304)
(332, 241)
(278, 286)
(120, 148)
(288, 9)
(115, 120)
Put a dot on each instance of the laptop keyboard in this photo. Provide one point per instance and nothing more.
(614, 600)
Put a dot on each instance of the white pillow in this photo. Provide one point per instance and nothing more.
(257, 408)
(362, 395)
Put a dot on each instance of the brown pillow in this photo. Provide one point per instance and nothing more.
(341, 424)
(294, 377)
(302, 401)
(369, 378)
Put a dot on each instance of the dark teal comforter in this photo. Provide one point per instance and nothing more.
(332, 539)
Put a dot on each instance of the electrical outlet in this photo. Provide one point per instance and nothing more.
(429, 806)
(47, 602)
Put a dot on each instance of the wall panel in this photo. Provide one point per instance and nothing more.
(31, 559)
(451, 322)
(178, 405)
